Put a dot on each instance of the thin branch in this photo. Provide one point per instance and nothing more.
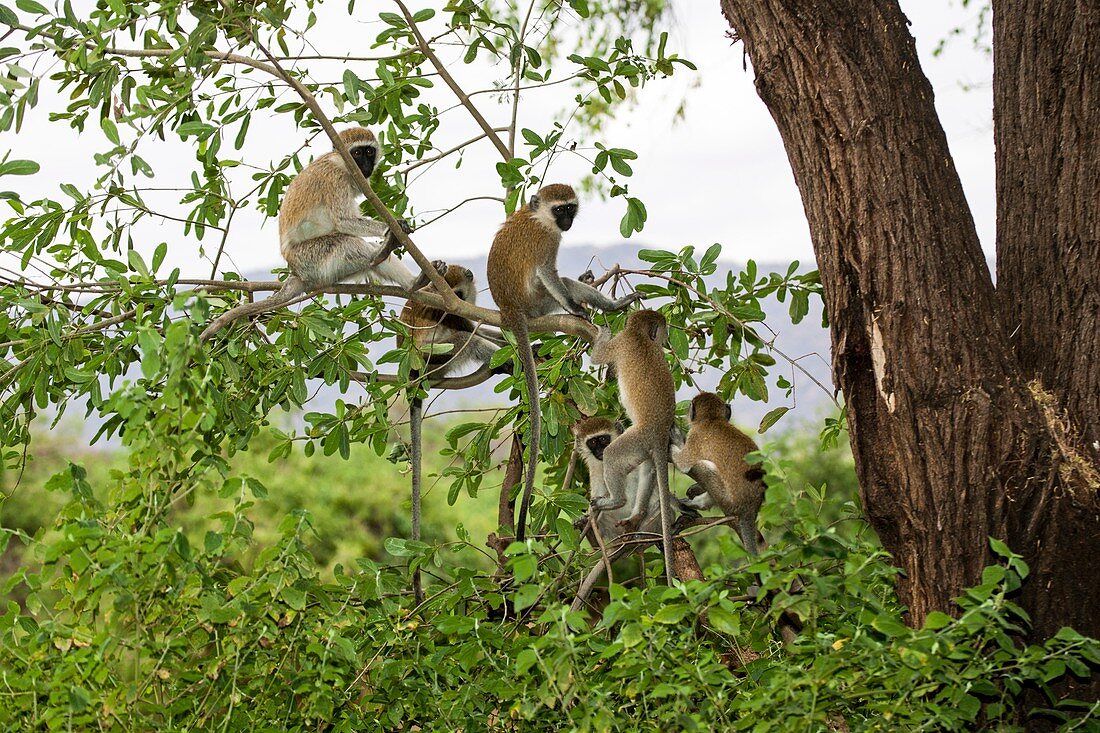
(521, 59)
(444, 154)
(450, 81)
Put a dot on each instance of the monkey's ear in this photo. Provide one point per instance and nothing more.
(534, 203)
(729, 412)
(691, 411)
(654, 330)
(620, 426)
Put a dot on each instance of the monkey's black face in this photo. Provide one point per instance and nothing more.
(564, 215)
(365, 157)
(597, 444)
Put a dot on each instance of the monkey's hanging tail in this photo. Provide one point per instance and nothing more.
(416, 416)
(518, 327)
(660, 464)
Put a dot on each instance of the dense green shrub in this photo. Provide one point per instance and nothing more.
(132, 625)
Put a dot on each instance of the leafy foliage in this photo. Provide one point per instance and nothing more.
(133, 618)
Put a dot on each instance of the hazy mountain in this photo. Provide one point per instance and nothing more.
(807, 343)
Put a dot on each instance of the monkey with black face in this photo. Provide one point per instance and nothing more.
(592, 436)
(524, 281)
(463, 343)
(715, 452)
(321, 232)
(648, 395)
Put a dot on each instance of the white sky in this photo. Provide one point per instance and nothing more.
(718, 174)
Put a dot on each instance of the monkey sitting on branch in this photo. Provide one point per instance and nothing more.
(324, 237)
(592, 436)
(524, 281)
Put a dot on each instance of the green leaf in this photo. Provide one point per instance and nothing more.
(724, 621)
(19, 168)
(30, 6)
(426, 14)
(526, 595)
(672, 614)
(109, 129)
(772, 418)
(937, 620)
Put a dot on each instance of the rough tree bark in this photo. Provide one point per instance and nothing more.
(952, 445)
(1046, 91)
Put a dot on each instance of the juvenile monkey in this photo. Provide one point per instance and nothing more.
(592, 436)
(648, 395)
(719, 448)
(431, 327)
(524, 281)
(321, 232)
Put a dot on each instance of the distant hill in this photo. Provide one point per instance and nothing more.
(807, 342)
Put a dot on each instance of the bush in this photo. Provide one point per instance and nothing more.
(135, 623)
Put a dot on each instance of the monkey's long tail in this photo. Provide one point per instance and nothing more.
(527, 359)
(416, 452)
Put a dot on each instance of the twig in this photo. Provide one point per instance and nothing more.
(450, 82)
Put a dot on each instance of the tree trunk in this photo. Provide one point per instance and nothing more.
(1046, 91)
(951, 445)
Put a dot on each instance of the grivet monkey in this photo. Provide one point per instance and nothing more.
(648, 395)
(726, 479)
(591, 437)
(524, 281)
(321, 232)
(431, 327)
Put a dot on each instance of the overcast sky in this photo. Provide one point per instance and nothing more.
(716, 174)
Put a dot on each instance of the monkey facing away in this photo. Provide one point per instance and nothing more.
(648, 395)
(591, 438)
(524, 281)
(730, 483)
(321, 233)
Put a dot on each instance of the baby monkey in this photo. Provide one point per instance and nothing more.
(431, 327)
(715, 453)
(592, 436)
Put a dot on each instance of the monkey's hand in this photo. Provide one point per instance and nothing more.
(586, 277)
(606, 503)
(423, 281)
(626, 300)
(695, 490)
(406, 226)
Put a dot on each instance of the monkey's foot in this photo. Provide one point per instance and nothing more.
(630, 524)
(423, 281)
(687, 510)
(406, 226)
